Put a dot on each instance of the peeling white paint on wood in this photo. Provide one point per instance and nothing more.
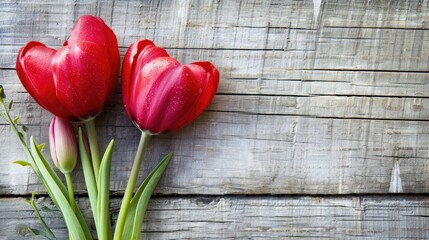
(395, 180)
(316, 7)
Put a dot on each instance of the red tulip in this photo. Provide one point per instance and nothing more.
(161, 95)
(76, 81)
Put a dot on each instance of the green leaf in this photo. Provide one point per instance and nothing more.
(72, 222)
(42, 160)
(104, 192)
(9, 105)
(46, 209)
(15, 120)
(41, 147)
(24, 128)
(134, 201)
(22, 163)
(88, 174)
(2, 95)
(36, 232)
(141, 199)
(48, 234)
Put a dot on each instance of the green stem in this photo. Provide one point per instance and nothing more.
(15, 130)
(93, 145)
(90, 181)
(71, 194)
(71, 191)
(144, 140)
(45, 226)
(53, 185)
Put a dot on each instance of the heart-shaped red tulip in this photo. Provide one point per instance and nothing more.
(161, 95)
(76, 81)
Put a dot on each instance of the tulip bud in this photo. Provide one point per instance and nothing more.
(63, 145)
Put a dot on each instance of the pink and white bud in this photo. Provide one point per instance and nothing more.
(63, 145)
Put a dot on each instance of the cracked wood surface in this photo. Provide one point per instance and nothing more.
(316, 97)
(259, 217)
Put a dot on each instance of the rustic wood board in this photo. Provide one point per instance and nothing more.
(301, 155)
(316, 97)
(260, 217)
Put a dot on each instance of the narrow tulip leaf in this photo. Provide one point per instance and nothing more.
(146, 194)
(35, 156)
(22, 163)
(42, 160)
(128, 228)
(104, 192)
(88, 174)
(72, 222)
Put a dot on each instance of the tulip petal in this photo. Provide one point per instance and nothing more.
(205, 78)
(63, 145)
(210, 77)
(179, 105)
(52, 142)
(160, 94)
(148, 89)
(138, 54)
(93, 29)
(90, 28)
(82, 76)
(33, 67)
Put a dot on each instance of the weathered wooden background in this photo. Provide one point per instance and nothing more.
(319, 129)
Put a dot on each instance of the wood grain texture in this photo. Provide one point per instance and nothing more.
(232, 217)
(301, 155)
(311, 103)
(316, 97)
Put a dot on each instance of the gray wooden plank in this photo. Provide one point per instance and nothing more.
(231, 217)
(321, 84)
(259, 154)
(222, 22)
(316, 97)
(198, 26)
(301, 83)
(330, 55)
(334, 106)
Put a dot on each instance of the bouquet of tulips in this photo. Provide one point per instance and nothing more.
(74, 83)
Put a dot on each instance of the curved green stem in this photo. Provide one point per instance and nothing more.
(93, 145)
(144, 140)
(47, 229)
(71, 191)
(53, 185)
(14, 127)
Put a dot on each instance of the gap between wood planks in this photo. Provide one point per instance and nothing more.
(119, 194)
